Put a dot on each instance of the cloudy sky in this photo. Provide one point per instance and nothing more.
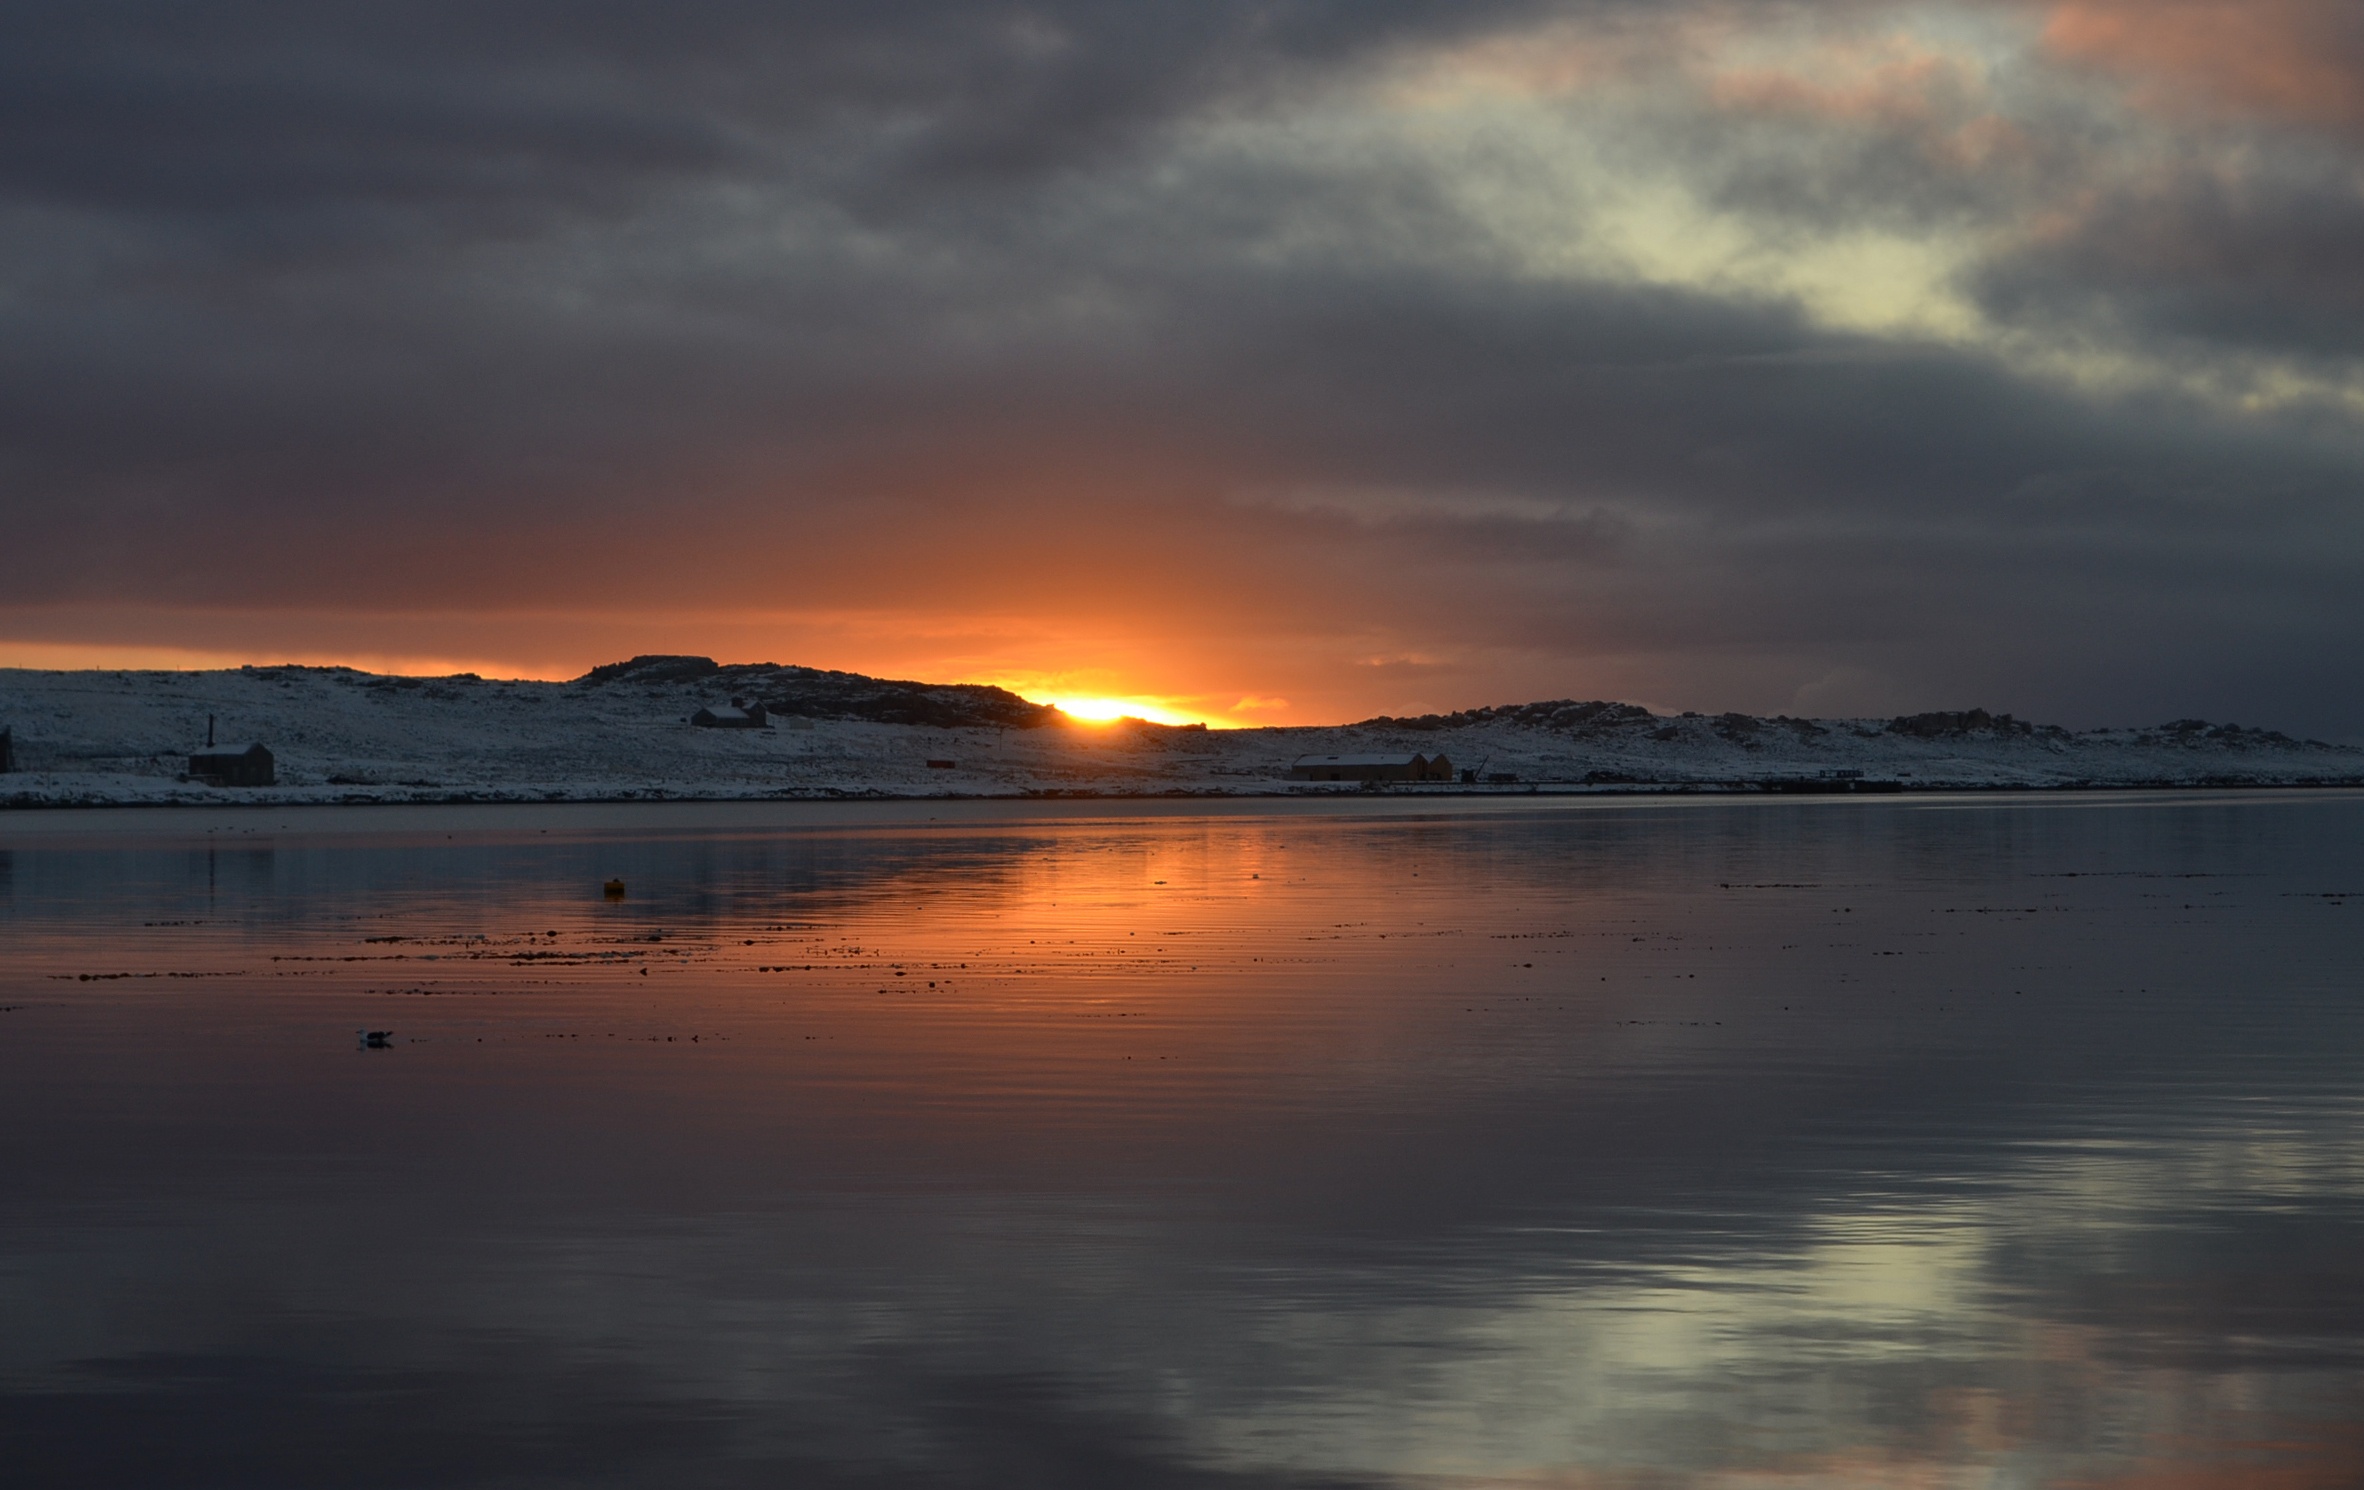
(1283, 362)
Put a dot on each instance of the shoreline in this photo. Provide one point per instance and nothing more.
(657, 797)
(245, 821)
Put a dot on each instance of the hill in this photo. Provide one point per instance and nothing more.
(811, 693)
(621, 731)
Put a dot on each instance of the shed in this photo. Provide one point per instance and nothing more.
(234, 765)
(739, 715)
(1412, 767)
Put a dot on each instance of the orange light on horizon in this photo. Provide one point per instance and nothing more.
(45, 656)
(1099, 695)
(1095, 695)
(1110, 710)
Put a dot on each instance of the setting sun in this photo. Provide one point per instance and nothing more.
(1109, 710)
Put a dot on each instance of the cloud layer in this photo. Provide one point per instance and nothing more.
(1822, 357)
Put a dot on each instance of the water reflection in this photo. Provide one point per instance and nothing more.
(1987, 1142)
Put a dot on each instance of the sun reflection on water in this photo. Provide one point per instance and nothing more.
(1664, 1145)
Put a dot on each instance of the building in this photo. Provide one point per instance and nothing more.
(1413, 767)
(740, 715)
(234, 765)
(7, 750)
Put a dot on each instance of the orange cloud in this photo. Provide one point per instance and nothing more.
(1889, 85)
(2297, 59)
(1894, 84)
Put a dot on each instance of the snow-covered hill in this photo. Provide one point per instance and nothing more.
(622, 732)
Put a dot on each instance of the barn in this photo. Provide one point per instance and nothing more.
(234, 765)
(1412, 767)
(739, 715)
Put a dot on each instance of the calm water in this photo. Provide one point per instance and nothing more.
(1951, 1142)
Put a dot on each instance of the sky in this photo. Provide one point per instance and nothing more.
(1254, 362)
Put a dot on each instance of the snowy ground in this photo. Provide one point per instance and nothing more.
(343, 736)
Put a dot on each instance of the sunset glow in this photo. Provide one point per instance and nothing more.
(1369, 368)
(1183, 743)
(73, 656)
(1110, 710)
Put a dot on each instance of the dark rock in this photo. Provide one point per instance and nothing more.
(1943, 725)
(817, 693)
(653, 668)
(1592, 717)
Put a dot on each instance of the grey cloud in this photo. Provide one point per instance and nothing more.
(298, 296)
(149, 106)
(2261, 265)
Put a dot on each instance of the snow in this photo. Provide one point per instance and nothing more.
(1408, 758)
(339, 735)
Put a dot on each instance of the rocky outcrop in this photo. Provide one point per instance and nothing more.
(816, 693)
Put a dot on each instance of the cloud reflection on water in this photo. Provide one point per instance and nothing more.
(1897, 1143)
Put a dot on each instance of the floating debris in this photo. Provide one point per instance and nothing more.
(373, 1039)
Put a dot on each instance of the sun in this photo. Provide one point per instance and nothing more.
(1109, 710)
(1078, 696)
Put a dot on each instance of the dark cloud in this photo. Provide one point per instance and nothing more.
(470, 309)
(2255, 266)
(151, 107)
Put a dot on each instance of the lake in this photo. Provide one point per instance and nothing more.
(2009, 1140)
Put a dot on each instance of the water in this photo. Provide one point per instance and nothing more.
(1992, 1141)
